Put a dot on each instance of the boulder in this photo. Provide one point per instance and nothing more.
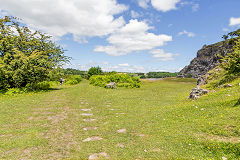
(197, 93)
(111, 85)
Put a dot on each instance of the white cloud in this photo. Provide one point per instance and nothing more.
(162, 56)
(195, 6)
(189, 34)
(134, 36)
(82, 18)
(135, 14)
(124, 64)
(225, 30)
(164, 5)
(234, 21)
(108, 67)
(143, 3)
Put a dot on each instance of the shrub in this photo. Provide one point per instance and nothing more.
(73, 79)
(122, 80)
(45, 85)
(94, 71)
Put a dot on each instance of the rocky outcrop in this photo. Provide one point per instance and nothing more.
(207, 59)
(197, 93)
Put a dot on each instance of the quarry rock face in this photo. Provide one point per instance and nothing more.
(207, 59)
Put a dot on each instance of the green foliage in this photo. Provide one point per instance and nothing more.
(70, 71)
(231, 62)
(94, 71)
(26, 57)
(161, 74)
(45, 85)
(73, 79)
(122, 80)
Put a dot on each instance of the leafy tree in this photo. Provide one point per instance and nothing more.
(94, 71)
(26, 56)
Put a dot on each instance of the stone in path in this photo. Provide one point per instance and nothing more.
(114, 109)
(120, 145)
(89, 120)
(92, 139)
(120, 113)
(122, 130)
(89, 128)
(99, 155)
(87, 114)
(87, 109)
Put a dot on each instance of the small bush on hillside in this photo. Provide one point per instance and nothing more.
(122, 80)
(72, 80)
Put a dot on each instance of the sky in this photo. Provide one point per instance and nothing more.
(129, 35)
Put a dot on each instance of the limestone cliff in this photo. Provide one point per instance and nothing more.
(207, 59)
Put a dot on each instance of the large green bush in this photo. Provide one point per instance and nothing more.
(122, 80)
(26, 57)
(72, 80)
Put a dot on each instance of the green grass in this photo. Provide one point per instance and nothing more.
(160, 123)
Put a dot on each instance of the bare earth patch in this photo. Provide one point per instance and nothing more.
(114, 109)
(87, 114)
(99, 156)
(219, 138)
(92, 139)
(120, 145)
(122, 130)
(89, 128)
(89, 120)
(120, 113)
(85, 110)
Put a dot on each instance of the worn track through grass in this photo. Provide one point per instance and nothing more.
(153, 122)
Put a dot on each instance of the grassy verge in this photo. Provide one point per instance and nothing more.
(160, 123)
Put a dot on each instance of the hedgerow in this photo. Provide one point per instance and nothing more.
(122, 80)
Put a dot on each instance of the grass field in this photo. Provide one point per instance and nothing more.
(153, 122)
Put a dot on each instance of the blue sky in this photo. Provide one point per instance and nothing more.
(129, 35)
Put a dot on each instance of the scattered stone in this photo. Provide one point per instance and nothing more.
(120, 113)
(122, 130)
(228, 95)
(112, 85)
(89, 120)
(197, 92)
(202, 109)
(114, 109)
(120, 145)
(89, 128)
(145, 150)
(98, 156)
(227, 85)
(156, 150)
(92, 139)
(85, 110)
(87, 114)
(108, 105)
(142, 135)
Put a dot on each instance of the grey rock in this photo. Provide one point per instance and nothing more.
(207, 59)
(197, 93)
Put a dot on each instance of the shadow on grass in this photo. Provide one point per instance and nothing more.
(238, 103)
